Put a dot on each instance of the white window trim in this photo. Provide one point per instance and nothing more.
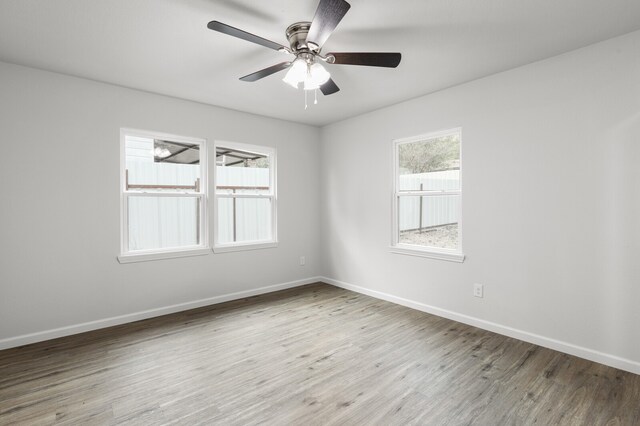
(273, 196)
(416, 250)
(144, 256)
(127, 256)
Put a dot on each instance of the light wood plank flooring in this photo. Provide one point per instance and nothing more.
(307, 356)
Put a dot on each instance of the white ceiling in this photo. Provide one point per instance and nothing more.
(165, 47)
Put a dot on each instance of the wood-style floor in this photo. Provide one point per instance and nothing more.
(307, 356)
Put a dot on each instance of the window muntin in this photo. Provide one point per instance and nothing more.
(245, 196)
(428, 193)
(163, 193)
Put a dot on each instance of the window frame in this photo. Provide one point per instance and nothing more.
(128, 256)
(453, 255)
(272, 195)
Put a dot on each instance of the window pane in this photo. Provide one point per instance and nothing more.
(430, 221)
(430, 165)
(242, 172)
(244, 219)
(161, 165)
(163, 222)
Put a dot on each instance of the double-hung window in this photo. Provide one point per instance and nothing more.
(427, 200)
(163, 196)
(245, 197)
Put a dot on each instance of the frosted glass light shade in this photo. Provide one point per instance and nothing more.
(296, 74)
(319, 75)
(312, 76)
(316, 77)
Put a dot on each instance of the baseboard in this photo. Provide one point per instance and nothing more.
(568, 348)
(40, 336)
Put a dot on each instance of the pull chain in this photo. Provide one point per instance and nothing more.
(305, 99)
(315, 96)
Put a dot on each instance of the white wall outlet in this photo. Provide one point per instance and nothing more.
(478, 290)
(303, 261)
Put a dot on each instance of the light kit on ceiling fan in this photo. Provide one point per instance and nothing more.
(306, 40)
(311, 75)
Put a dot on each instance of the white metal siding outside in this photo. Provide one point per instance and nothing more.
(436, 210)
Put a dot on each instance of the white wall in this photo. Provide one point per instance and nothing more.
(551, 200)
(550, 211)
(59, 222)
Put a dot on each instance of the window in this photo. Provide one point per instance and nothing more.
(164, 179)
(428, 196)
(245, 197)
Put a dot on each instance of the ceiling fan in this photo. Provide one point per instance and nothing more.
(306, 40)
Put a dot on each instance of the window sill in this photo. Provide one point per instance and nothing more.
(243, 247)
(144, 257)
(430, 253)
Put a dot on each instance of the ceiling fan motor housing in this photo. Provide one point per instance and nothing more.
(297, 36)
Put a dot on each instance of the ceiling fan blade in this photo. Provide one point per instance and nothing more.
(371, 59)
(235, 32)
(327, 17)
(266, 72)
(329, 88)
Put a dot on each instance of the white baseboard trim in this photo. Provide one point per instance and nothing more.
(40, 336)
(568, 348)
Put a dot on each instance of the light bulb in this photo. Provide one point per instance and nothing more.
(297, 73)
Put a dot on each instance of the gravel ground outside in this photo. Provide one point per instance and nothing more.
(445, 236)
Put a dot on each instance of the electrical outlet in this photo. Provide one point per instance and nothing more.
(478, 290)
(303, 261)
